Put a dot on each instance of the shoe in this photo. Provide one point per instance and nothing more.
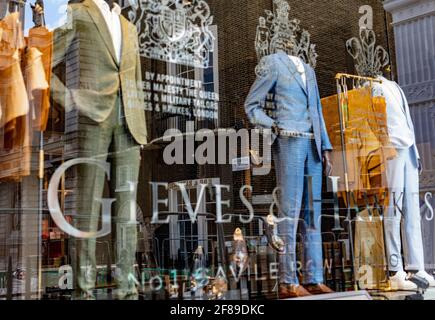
(292, 291)
(240, 257)
(318, 288)
(400, 282)
(423, 274)
(274, 241)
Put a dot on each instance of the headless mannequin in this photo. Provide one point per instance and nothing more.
(110, 128)
(401, 131)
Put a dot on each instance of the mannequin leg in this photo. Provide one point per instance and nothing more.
(126, 170)
(290, 157)
(94, 143)
(313, 267)
(413, 241)
(396, 180)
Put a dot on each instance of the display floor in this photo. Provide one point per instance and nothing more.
(401, 295)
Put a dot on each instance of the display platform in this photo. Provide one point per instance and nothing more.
(401, 295)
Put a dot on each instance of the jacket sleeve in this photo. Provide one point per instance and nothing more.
(326, 144)
(266, 80)
(411, 123)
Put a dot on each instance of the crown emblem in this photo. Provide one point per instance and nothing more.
(277, 32)
(369, 58)
(174, 31)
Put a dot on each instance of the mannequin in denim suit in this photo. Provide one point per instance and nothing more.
(302, 144)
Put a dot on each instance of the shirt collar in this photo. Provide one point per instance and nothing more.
(298, 62)
(116, 9)
(104, 6)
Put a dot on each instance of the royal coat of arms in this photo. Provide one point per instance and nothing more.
(173, 23)
(174, 31)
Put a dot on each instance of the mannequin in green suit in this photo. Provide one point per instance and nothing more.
(103, 84)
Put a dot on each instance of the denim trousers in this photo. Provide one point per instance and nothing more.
(297, 164)
(403, 213)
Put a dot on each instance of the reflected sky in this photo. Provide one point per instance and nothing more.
(55, 14)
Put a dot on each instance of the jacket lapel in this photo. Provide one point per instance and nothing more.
(309, 75)
(99, 21)
(293, 71)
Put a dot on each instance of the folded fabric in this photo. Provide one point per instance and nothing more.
(366, 142)
(36, 82)
(42, 39)
(13, 94)
(12, 31)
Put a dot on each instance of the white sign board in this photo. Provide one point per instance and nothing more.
(241, 164)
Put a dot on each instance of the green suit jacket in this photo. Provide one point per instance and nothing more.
(87, 75)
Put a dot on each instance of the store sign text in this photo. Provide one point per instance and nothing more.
(220, 203)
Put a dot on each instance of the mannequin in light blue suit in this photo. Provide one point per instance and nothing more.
(298, 155)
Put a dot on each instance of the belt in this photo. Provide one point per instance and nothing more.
(287, 133)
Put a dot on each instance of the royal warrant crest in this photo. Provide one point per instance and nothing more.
(175, 31)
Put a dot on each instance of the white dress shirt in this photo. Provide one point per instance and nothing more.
(300, 67)
(113, 22)
(399, 122)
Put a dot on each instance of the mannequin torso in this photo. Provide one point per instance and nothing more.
(300, 67)
(400, 128)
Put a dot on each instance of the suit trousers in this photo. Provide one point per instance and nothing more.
(124, 158)
(296, 164)
(403, 213)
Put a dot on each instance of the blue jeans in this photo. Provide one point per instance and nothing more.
(296, 160)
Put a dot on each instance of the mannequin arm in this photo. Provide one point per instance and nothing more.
(258, 93)
(326, 143)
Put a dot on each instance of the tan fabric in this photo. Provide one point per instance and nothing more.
(366, 142)
(36, 82)
(34, 72)
(13, 99)
(13, 94)
(12, 31)
(15, 151)
(42, 39)
(370, 261)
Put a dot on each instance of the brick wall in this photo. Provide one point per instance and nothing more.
(330, 23)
